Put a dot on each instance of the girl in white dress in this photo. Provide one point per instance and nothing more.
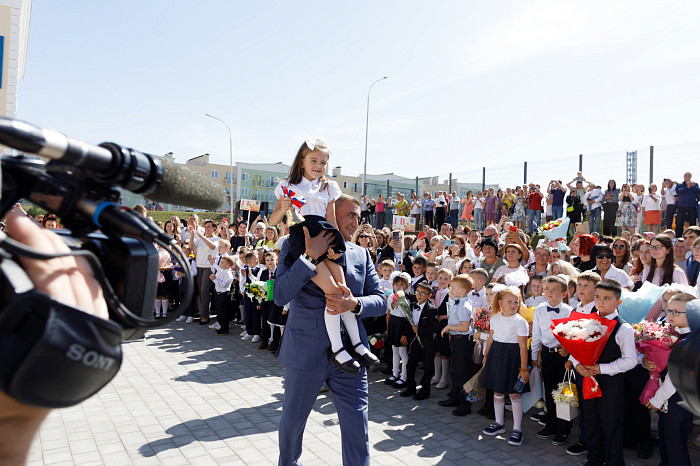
(307, 180)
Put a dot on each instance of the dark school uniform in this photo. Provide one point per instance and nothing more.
(427, 331)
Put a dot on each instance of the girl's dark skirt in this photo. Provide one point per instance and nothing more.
(395, 330)
(443, 341)
(502, 368)
(315, 224)
(164, 289)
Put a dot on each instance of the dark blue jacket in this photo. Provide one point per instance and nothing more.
(687, 197)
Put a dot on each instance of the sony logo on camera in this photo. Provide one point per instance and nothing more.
(90, 358)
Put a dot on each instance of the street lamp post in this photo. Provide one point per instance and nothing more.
(364, 177)
(230, 173)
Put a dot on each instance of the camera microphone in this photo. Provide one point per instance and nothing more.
(156, 178)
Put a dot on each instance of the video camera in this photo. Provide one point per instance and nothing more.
(54, 355)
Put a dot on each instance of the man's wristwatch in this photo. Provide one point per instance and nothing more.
(358, 309)
(310, 259)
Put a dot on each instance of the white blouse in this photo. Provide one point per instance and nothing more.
(508, 329)
(679, 276)
(316, 200)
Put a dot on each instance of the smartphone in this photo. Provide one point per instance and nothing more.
(514, 229)
(449, 242)
(396, 236)
(225, 219)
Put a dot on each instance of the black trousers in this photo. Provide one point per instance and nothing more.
(264, 315)
(223, 306)
(416, 354)
(637, 426)
(429, 218)
(581, 413)
(609, 217)
(675, 427)
(439, 217)
(553, 372)
(462, 366)
(685, 214)
(670, 212)
(604, 420)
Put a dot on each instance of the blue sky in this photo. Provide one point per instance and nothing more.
(469, 81)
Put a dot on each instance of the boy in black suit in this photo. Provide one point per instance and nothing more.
(421, 339)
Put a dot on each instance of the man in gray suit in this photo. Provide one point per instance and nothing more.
(305, 344)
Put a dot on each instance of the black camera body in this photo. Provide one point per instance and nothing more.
(130, 266)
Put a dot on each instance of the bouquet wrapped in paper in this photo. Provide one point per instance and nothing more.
(377, 340)
(482, 320)
(256, 290)
(556, 231)
(584, 336)
(401, 300)
(637, 304)
(655, 342)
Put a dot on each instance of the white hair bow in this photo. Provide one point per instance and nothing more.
(312, 142)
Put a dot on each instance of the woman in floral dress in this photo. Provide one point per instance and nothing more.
(627, 218)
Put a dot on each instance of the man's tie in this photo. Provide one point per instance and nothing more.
(553, 309)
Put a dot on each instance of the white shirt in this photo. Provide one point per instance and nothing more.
(417, 310)
(596, 196)
(508, 329)
(415, 207)
(204, 251)
(573, 302)
(679, 277)
(316, 200)
(414, 282)
(478, 298)
(534, 301)
(479, 203)
(651, 204)
(223, 280)
(617, 275)
(504, 269)
(670, 195)
(542, 326)
(666, 390)
(625, 340)
(185, 235)
(454, 203)
(585, 308)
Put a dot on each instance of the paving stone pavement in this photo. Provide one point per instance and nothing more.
(185, 396)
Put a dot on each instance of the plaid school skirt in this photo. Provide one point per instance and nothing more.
(502, 368)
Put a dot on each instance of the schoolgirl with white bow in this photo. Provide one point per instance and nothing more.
(307, 189)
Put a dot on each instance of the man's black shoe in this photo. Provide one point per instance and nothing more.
(422, 395)
(559, 439)
(546, 433)
(462, 411)
(410, 391)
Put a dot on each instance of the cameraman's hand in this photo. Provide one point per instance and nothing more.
(68, 279)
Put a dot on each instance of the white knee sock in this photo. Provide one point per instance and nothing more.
(351, 326)
(156, 306)
(445, 363)
(333, 331)
(396, 361)
(403, 352)
(438, 368)
(165, 303)
(517, 405)
(499, 408)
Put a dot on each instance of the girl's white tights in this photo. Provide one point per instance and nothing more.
(400, 362)
(162, 304)
(333, 330)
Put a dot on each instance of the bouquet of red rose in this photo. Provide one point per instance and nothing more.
(482, 320)
(584, 336)
(654, 341)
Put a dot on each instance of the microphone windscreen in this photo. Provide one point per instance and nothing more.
(185, 187)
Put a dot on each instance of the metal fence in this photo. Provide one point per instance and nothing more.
(637, 165)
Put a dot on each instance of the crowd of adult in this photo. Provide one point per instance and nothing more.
(635, 235)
